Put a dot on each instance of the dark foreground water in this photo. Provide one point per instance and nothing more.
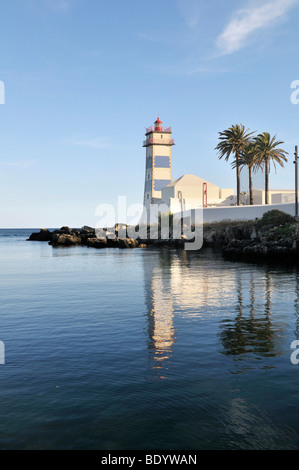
(145, 349)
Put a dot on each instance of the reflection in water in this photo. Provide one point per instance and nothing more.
(188, 285)
(160, 309)
(251, 331)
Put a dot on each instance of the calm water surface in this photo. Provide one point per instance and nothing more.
(145, 349)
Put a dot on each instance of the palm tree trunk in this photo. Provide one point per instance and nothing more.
(267, 181)
(238, 180)
(250, 186)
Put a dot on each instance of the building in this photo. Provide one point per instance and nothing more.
(276, 196)
(158, 168)
(188, 191)
(193, 192)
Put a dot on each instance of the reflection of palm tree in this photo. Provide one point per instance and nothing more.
(268, 290)
(253, 334)
(233, 334)
(252, 297)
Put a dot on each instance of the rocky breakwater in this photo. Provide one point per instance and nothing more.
(86, 236)
(273, 237)
(114, 237)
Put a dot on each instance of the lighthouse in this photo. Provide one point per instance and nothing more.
(158, 168)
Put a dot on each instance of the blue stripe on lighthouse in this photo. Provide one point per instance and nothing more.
(159, 184)
(148, 186)
(162, 162)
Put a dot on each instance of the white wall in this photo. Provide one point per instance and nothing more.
(276, 196)
(166, 194)
(258, 196)
(283, 197)
(217, 214)
(176, 205)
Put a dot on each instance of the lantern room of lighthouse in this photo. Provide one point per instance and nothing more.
(158, 168)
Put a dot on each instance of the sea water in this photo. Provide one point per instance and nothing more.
(145, 349)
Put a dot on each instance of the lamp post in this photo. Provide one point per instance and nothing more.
(296, 180)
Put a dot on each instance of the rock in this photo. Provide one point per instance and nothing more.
(65, 230)
(250, 240)
(85, 236)
(253, 234)
(87, 228)
(97, 242)
(43, 236)
(128, 243)
(111, 235)
(122, 228)
(210, 236)
(65, 240)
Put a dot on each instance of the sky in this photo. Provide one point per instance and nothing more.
(81, 80)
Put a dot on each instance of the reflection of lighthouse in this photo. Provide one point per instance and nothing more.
(160, 308)
(162, 311)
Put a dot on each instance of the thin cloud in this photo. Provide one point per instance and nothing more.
(97, 143)
(59, 5)
(22, 163)
(56, 6)
(247, 21)
(190, 10)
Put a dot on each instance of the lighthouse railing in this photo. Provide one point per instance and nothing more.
(161, 129)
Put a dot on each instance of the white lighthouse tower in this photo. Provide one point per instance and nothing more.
(158, 168)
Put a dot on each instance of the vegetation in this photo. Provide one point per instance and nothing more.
(266, 151)
(254, 152)
(275, 217)
(287, 231)
(165, 220)
(223, 224)
(248, 159)
(233, 141)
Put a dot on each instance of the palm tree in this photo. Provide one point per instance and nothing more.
(248, 158)
(266, 151)
(233, 141)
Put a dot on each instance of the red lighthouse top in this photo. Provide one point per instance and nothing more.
(158, 125)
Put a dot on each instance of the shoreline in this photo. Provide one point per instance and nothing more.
(274, 237)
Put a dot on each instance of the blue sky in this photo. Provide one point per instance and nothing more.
(83, 79)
